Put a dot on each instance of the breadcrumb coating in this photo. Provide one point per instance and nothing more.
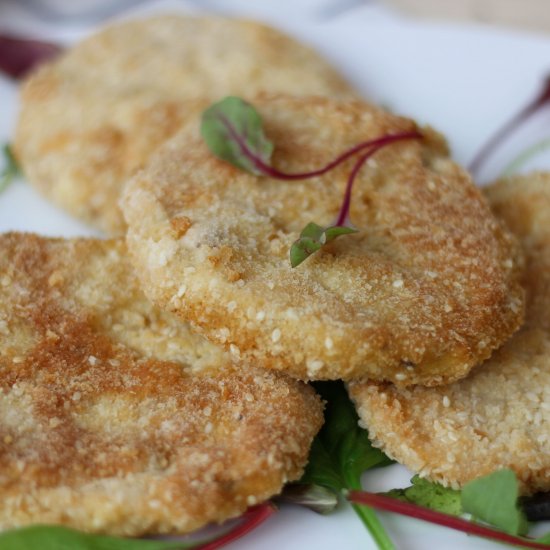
(426, 289)
(114, 417)
(92, 117)
(498, 417)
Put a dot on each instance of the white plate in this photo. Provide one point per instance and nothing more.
(464, 80)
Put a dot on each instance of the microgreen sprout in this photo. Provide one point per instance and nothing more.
(233, 131)
(313, 236)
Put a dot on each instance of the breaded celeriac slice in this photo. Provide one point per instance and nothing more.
(93, 116)
(114, 417)
(498, 417)
(426, 289)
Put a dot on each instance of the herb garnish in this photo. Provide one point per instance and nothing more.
(341, 452)
(312, 238)
(10, 170)
(54, 537)
(232, 130)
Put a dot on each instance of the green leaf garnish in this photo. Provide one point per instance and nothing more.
(232, 130)
(312, 238)
(494, 500)
(430, 495)
(10, 170)
(55, 537)
(341, 452)
(50, 537)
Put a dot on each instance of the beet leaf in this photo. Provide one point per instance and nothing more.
(18, 55)
(232, 130)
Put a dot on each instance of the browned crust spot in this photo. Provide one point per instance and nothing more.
(104, 426)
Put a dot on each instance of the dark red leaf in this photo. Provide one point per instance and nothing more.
(19, 55)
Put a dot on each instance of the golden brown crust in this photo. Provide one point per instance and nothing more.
(499, 416)
(91, 118)
(101, 430)
(427, 289)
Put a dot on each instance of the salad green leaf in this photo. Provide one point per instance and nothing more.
(54, 537)
(430, 495)
(341, 452)
(51, 537)
(494, 500)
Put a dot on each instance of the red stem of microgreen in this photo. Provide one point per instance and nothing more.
(485, 152)
(277, 174)
(376, 145)
(252, 518)
(19, 55)
(389, 504)
(346, 203)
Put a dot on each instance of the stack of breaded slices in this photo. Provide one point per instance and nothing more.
(157, 381)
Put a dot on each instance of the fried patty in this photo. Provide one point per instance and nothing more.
(426, 289)
(114, 418)
(92, 117)
(498, 417)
